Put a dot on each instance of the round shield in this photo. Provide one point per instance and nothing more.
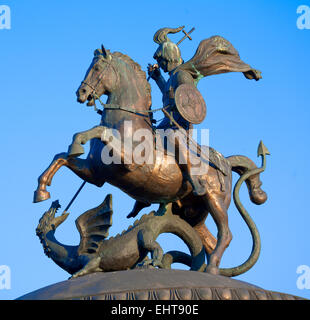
(190, 103)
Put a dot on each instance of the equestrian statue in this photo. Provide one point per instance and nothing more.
(146, 169)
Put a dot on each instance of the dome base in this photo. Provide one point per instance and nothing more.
(154, 284)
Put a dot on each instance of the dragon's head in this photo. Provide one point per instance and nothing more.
(49, 222)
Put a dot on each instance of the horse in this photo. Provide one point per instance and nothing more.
(162, 181)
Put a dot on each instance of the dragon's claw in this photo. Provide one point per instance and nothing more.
(149, 263)
(157, 263)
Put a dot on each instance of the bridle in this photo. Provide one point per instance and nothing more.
(95, 96)
(93, 88)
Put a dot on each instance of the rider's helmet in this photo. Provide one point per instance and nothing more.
(168, 54)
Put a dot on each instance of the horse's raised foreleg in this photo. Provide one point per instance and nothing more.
(81, 167)
(109, 137)
(76, 149)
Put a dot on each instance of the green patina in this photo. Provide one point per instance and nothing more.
(199, 75)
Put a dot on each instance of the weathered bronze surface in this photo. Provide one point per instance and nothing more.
(163, 181)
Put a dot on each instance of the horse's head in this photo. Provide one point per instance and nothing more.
(100, 78)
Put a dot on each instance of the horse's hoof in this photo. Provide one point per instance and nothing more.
(75, 150)
(41, 195)
(212, 270)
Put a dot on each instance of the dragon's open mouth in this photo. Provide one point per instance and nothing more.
(55, 206)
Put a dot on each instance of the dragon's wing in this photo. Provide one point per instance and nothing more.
(93, 226)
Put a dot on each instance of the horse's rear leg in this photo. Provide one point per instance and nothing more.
(224, 236)
(207, 238)
(81, 167)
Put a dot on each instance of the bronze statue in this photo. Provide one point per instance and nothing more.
(163, 181)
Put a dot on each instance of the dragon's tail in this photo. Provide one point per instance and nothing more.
(242, 165)
(175, 256)
(190, 237)
(250, 174)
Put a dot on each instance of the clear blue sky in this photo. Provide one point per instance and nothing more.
(43, 58)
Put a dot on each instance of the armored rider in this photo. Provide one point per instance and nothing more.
(168, 57)
(214, 55)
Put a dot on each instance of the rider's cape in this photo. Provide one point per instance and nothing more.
(217, 55)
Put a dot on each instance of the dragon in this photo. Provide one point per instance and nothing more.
(125, 251)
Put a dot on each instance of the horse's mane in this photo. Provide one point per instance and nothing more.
(137, 68)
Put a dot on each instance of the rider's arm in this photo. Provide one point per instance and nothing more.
(155, 74)
(161, 82)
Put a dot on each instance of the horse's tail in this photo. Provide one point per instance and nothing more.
(242, 165)
(250, 174)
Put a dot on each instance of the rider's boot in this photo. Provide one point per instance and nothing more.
(182, 153)
(137, 208)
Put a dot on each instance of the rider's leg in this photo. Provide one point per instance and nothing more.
(184, 161)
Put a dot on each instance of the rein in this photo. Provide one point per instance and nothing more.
(95, 97)
(114, 106)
